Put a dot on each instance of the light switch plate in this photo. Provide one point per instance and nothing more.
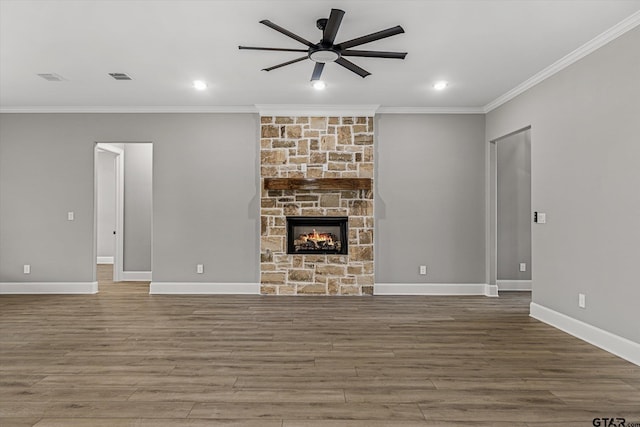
(582, 303)
(200, 268)
(70, 216)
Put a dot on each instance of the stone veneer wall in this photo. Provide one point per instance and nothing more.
(345, 145)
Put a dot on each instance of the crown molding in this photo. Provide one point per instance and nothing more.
(611, 34)
(262, 109)
(430, 110)
(316, 110)
(134, 109)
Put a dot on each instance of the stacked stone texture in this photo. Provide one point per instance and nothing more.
(345, 145)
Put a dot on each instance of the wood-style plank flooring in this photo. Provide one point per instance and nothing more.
(125, 358)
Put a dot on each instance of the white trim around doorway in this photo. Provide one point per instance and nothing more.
(118, 258)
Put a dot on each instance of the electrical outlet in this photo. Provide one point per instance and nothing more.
(582, 303)
(325, 167)
(200, 268)
(26, 269)
(70, 216)
(423, 270)
(303, 167)
(523, 266)
(540, 217)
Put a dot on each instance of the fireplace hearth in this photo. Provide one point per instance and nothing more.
(317, 235)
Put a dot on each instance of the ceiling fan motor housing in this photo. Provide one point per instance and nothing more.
(323, 54)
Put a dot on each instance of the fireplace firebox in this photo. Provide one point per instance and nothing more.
(317, 235)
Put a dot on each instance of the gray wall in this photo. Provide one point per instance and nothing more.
(585, 176)
(106, 203)
(430, 205)
(205, 201)
(46, 170)
(514, 206)
(138, 158)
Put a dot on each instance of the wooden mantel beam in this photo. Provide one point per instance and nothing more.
(317, 184)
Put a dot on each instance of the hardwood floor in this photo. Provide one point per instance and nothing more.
(125, 358)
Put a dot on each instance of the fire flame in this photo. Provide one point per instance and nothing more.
(318, 237)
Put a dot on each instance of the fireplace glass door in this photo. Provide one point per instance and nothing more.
(317, 235)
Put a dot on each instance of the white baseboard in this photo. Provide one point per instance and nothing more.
(491, 290)
(196, 288)
(612, 343)
(136, 276)
(514, 285)
(48, 287)
(105, 260)
(434, 289)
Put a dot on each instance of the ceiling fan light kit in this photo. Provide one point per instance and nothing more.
(326, 51)
(318, 84)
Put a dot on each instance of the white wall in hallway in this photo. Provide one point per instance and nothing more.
(106, 204)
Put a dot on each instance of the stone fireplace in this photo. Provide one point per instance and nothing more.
(335, 152)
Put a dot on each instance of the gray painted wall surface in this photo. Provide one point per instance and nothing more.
(46, 170)
(430, 205)
(138, 165)
(205, 201)
(106, 203)
(585, 176)
(514, 206)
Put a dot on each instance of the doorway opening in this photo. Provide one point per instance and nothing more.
(123, 206)
(511, 214)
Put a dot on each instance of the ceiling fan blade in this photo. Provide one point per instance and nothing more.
(271, 48)
(371, 37)
(285, 63)
(374, 54)
(286, 32)
(317, 71)
(352, 67)
(331, 29)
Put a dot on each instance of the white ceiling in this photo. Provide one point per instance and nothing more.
(484, 48)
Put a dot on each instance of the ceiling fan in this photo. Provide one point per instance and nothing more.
(327, 51)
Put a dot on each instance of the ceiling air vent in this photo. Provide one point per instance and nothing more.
(52, 77)
(120, 76)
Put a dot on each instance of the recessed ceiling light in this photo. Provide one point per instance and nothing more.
(318, 84)
(199, 85)
(441, 85)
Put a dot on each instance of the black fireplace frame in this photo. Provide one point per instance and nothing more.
(331, 221)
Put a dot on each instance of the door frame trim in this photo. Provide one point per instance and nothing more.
(118, 259)
(492, 214)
